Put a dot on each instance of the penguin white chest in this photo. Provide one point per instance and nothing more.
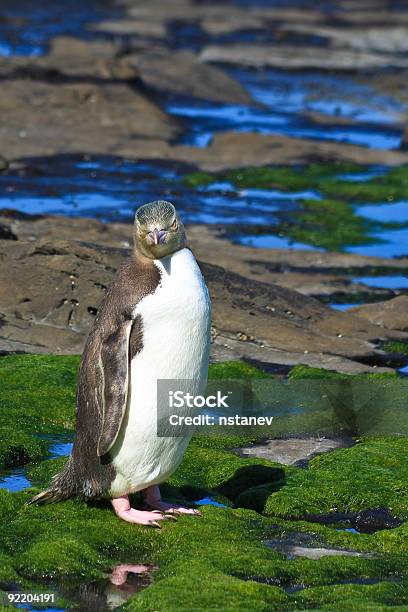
(176, 338)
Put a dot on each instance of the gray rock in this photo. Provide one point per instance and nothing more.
(53, 279)
(297, 58)
(181, 73)
(392, 314)
(47, 118)
(293, 451)
(309, 272)
(299, 544)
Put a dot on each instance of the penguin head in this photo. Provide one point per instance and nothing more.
(158, 230)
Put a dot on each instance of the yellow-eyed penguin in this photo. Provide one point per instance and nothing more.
(154, 323)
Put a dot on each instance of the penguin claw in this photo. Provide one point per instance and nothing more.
(165, 515)
(155, 524)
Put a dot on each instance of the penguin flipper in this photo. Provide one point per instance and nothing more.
(115, 375)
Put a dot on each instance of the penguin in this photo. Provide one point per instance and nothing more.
(153, 324)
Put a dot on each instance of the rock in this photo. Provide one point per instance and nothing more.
(300, 57)
(387, 40)
(49, 118)
(227, 24)
(132, 27)
(254, 320)
(239, 149)
(312, 273)
(368, 520)
(293, 451)
(4, 164)
(298, 544)
(308, 272)
(181, 73)
(392, 314)
(50, 292)
(6, 233)
(371, 520)
(68, 57)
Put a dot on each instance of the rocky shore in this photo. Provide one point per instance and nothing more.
(55, 270)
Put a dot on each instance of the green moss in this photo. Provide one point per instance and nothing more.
(354, 597)
(328, 224)
(225, 548)
(372, 474)
(195, 179)
(215, 469)
(42, 473)
(28, 384)
(288, 178)
(235, 370)
(37, 398)
(306, 372)
(60, 556)
(396, 347)
(17, 448)
(7, 571)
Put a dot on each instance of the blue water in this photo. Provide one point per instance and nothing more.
(342, 307)
(203, 119)
(394, 244)
(210, 501)
(15, 480)
(386, 282)
(60, 449)
(272, 241)
(333, 95)
(396, 212)
(361, 177)
(284, 100)
(27, 26)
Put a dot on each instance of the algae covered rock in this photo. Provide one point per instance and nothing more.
(227, 548)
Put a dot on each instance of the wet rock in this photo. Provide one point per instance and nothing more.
(392, 314)
(298, 544)
(4, 164)
(181, 73)
(6, 233)
(58, 283)
(227, 23)
(297, 58)
(81, 116)
(388, 40)
(312, 273)
(309, 272)
(293, 451)
(368, 520)
(128, 27)
(68, 57)
(236, 149)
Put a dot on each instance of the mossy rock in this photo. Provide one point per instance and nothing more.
(328, 223)
(225, 549)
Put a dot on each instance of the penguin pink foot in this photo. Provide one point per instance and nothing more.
(154, 500)
(123, 510)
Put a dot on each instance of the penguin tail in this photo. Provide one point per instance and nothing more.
(61, 488)
(49, 496)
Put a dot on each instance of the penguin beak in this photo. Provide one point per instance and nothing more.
(157, 235)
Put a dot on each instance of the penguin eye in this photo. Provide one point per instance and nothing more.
(174, 224)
